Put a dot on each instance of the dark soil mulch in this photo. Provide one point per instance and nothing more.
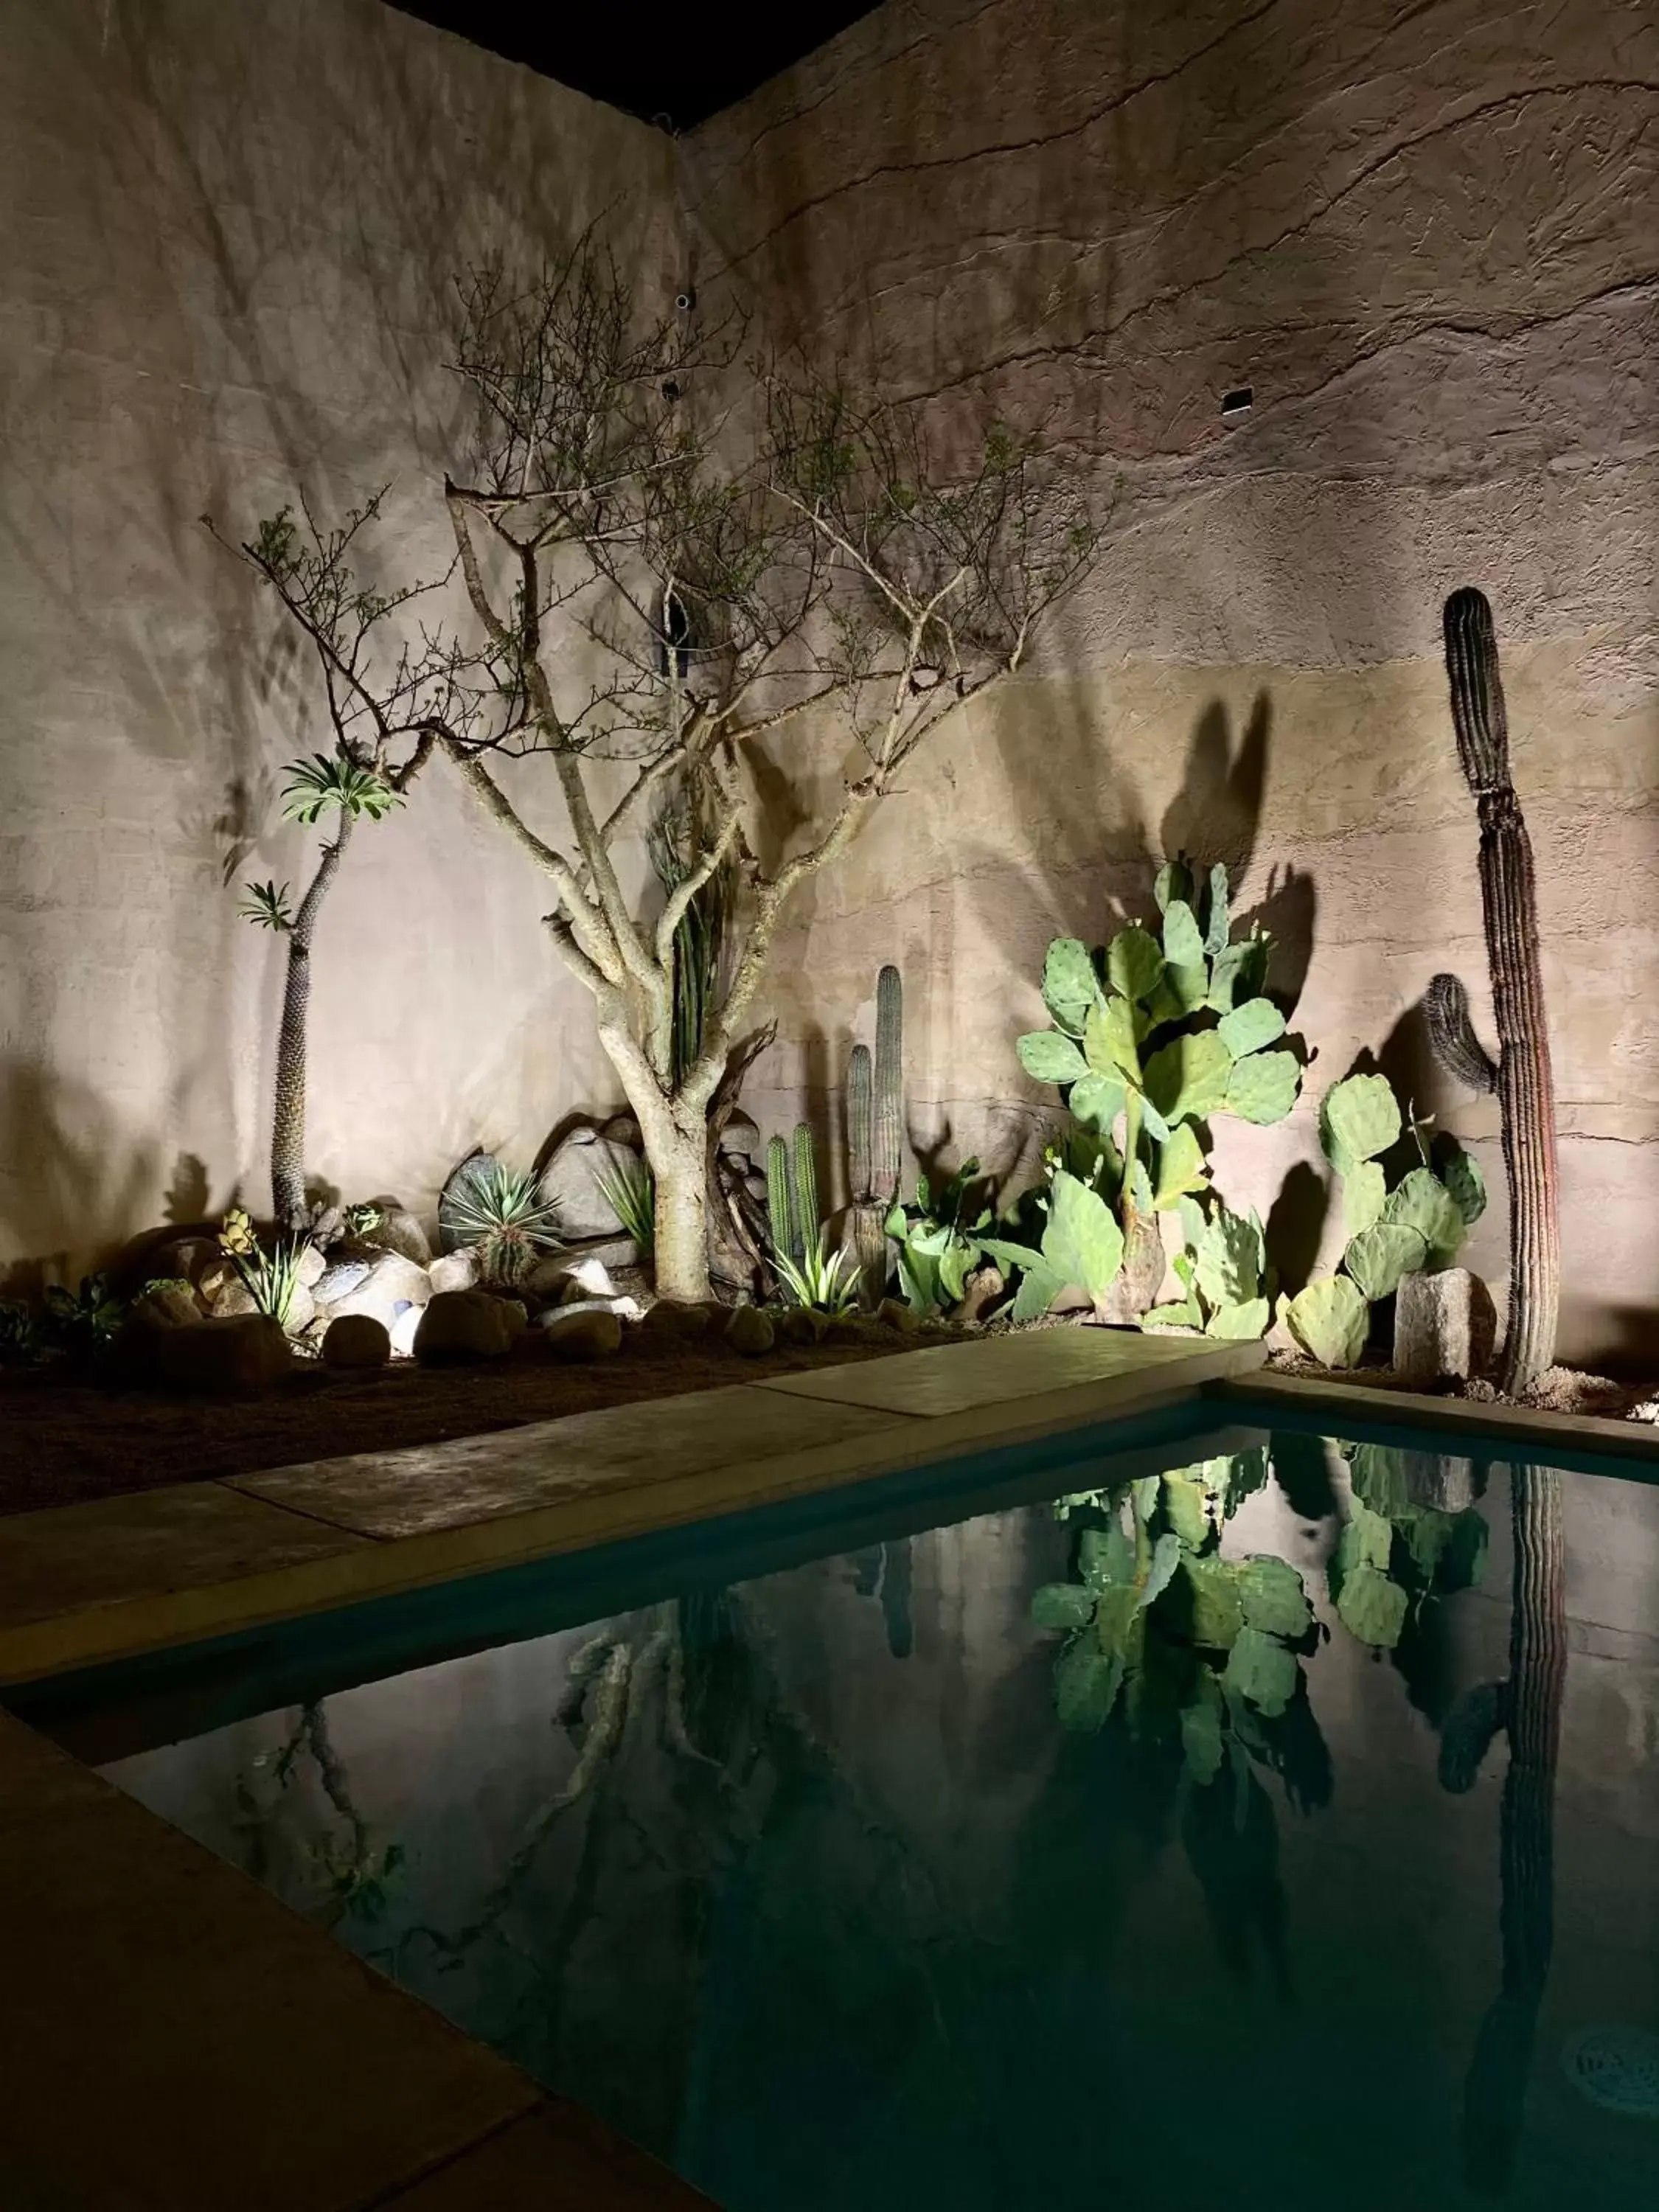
(65, 1438)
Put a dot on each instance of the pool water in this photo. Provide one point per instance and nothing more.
(1277, 1825)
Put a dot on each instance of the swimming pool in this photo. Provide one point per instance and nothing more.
(1151, 1825)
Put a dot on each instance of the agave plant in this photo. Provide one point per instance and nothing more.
(272, 1278)
(504, 1212)
(631, 1194)
(825, 1281)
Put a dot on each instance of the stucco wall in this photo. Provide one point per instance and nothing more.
(230, 229)
(1425, 237)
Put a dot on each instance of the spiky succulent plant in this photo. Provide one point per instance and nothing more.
(505, 1214)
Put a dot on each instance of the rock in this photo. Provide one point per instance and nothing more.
(672, 1317)
(459, 1325)
(800, 1325)
(1444, 1482)
(356, 1340)
(340, 1280)
(236, 1356)
(1443, 1324)
(740, 1139)
(400, 1231)
(232, 1299)
(311, 1266)
(587, 1332)
(390, 1283)
(455, 1271)
(558, 1280)
(750, 1331)
(517, 1314)
(571, 1183)
(981, 1289)
(182, 1259)
(404, 1330)
(166, 1306)
(623, 1129)
(475, 1162)
(898, 1315)
(212, 1278)
(302, 1311)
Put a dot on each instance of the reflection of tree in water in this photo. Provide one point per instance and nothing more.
(355, 1872)
(1527, 1709)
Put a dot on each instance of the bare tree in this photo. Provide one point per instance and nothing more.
(675, 608)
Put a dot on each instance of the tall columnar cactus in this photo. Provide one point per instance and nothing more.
(1521, 1077)
(859, 1125)
(803, 1186)
(889, 1085)
(780, 1201)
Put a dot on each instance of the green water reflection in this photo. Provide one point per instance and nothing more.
(1259, 1827)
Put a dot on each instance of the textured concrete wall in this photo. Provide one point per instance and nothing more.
(230, 234)
(1425, 236)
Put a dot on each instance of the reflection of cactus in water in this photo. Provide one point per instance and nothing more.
(1528, 1710)
(1522, 1077)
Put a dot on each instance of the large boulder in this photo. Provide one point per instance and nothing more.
(166, 1305)
(399, 1231)
(582, 1331)
(340, 1280)
(571, 1183)
(236, 1357)
(390, 1283)
(356, 1340)
(461, 1326)
(1444, 1324)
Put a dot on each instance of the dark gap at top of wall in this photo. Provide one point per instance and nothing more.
(672, 66)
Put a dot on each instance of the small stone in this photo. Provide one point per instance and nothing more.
(455, 1271)
(357, 1341)
(981, 1289)
(898, 1315)
(750, 1331)
(311, 1266)
(404, 1330)
(800, 1325)
(588, 1332)
(459, 1325)
(212, 1278)
(559, 1280)
(236, 1356)
(1443, 1324)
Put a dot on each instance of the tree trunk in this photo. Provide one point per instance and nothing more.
(679, 1164)
(287, 1131)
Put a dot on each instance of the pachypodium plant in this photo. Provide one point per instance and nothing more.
(1152, 1038)
(1191, 1645)
(381, 717)
(1419, 1226)
(808, 1272)
(940, 1240)
(875, 1137)
(1395, 1554)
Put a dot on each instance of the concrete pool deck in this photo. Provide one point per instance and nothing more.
(176, 2040)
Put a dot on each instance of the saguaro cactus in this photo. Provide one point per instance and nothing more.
(1521, 1076)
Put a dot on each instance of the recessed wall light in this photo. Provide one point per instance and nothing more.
(1235, 404)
